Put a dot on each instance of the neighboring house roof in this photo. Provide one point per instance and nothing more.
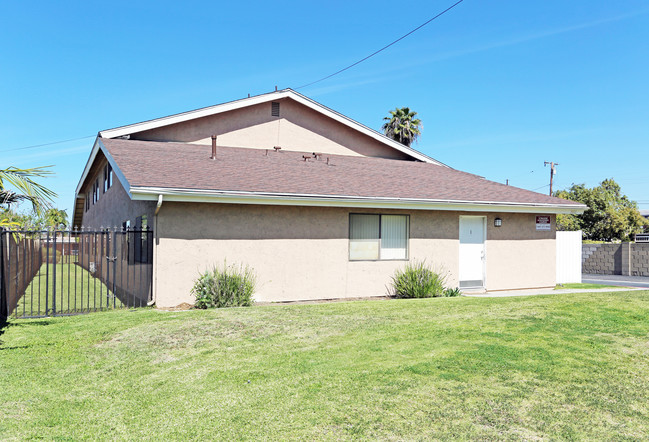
(258, 99)
(185, 172)
(645, 213)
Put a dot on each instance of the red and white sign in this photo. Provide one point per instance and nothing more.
(543, 222)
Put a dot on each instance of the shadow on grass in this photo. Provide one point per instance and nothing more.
(5, 324)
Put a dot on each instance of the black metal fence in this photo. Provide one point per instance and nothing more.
(65, 272)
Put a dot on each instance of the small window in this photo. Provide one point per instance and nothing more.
(108, 177)
(87, 201)
(378, 237)
(127, 252)
(274, 109)
(95, 191)
(141, 241)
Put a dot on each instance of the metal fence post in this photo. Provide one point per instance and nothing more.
(54, 278)
(3, 294)
(114, 261)
(47, 272)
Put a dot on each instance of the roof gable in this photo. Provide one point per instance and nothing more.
(264, 98)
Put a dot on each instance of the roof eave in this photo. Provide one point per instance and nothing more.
(211, 196)
(96, 148)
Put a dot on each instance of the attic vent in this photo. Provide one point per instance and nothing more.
(274, 109)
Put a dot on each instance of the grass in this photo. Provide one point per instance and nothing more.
(579, 285)
(571, 366)
(76, 290)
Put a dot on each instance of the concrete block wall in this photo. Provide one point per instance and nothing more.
(605, 259)
(616, 259)
(640, 259)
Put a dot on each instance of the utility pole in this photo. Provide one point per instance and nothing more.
(553, 172)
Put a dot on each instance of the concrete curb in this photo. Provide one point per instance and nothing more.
(510, 293)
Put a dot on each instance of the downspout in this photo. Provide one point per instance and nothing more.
(157, 207)
(155, 251)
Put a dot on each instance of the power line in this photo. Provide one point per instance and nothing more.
(47, 144)
(382, 49)
(539, 188)
(300, 87)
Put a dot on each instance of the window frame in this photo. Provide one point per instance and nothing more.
(379, 239)
(108, 177)
(95, 191)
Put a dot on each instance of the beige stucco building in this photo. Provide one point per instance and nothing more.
(317, 204)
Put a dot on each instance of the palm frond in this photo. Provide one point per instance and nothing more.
(26, 187)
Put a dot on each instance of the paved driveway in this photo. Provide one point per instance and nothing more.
(618, 280)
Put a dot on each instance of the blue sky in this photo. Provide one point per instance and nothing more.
(500, 86)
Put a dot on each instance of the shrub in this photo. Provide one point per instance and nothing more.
(230, 286)
(417, 280)
(450, 293)
(50, 255)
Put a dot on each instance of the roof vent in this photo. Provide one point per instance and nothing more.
(274, 109)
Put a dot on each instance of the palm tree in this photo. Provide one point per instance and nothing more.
(402, 126)
(24, 188)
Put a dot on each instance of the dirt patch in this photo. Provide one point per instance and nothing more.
(187, 334)
(326, 301)
(179, 308)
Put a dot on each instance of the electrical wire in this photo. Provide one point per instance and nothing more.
(300, 87)
(382, 49)
(47, 144)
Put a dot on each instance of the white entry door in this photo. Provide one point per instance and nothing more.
(472, 251)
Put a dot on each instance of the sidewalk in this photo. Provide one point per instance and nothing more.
(623, 278)
(549, 291)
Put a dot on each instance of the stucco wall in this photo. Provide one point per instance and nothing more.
(298, 128)
(131, 278)
(303, 252)
(518, 255)
(114, 207)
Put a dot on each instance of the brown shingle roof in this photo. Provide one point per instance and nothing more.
(188, 166)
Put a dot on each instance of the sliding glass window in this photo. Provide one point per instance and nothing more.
(378, 237)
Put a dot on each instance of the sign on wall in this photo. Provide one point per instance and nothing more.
(543, 222)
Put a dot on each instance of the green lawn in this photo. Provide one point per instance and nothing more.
(76, 290)
(563, 366)
(583, 285)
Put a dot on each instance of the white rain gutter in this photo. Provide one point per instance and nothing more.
(211, 196)
(155, 251)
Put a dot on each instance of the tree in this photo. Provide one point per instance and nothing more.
(402, 126)
(51, 219)
(610, 216)
(54, 218)
(23, 188)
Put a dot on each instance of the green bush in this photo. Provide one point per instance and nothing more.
(230, 286)
(450, 293)
(417, 280)
(50, 255)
